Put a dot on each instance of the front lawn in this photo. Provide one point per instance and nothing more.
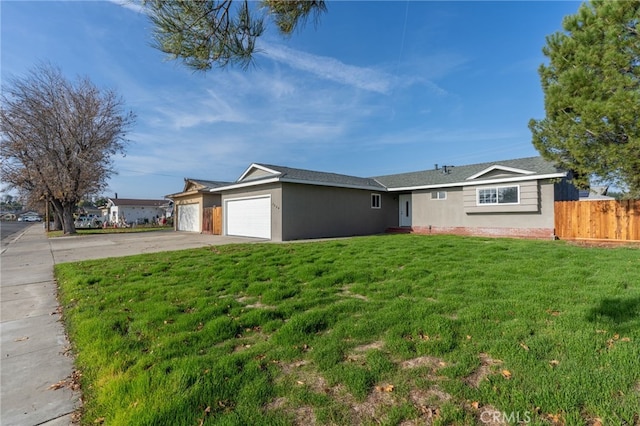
(397, 329)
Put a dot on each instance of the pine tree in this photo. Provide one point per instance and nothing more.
(592, 95)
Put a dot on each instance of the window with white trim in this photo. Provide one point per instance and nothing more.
(498, 195)
(375, 201)
(439, 195)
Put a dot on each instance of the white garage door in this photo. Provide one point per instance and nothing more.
(249, 217)
(189, 217)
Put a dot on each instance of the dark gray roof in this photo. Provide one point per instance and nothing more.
(459, 174)
(310, 176)
(208, 184)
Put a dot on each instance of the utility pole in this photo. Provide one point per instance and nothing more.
(46, 213)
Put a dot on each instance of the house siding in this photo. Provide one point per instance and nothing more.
(529, 199)
(458, 214)
(131, 214)
(256, 174)
(311, 211)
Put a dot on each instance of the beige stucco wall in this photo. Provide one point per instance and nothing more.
(311, 211)
(459, 210)
(274, 190)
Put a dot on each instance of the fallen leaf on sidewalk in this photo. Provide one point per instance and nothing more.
(59, 385)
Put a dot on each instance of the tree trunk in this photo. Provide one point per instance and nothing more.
(64, 212)
(57, 222)
(55, 218)
(68, 225)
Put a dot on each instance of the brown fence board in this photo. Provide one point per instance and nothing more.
(207, 220)
(212, 220)
(217, 221)
(603, 220)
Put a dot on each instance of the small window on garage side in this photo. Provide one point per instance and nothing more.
(375, 201)
(439, 195)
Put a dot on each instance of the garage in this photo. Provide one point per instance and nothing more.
(249, 217)
(189, 217)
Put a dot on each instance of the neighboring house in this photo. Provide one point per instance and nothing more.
(595, 193)
(128, 211)
(29, 217)
(504, 198)
(189, 203)
(8, 216)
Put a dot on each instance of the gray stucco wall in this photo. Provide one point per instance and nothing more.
(460, 210)
(310, 211)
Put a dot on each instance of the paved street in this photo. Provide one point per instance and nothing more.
(10, 229)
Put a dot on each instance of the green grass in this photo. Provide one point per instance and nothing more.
(139, 228)
(270, 334)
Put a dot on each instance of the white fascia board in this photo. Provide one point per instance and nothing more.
(335, 185)
(499, 167)
(482, 182)
(258, 166)
(303, 182)
(181, 194)
(245, 184)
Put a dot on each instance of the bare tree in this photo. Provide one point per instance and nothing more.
(59, 137)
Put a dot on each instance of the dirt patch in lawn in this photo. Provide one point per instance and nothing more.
(369, 346)
(424, 361)
(303, 415)
(347, 293)
(481, 373)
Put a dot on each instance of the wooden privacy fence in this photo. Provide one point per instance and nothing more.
(212, 220)
(602, 220)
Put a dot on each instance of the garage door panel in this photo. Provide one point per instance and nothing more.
(189, 217)
(249, 217)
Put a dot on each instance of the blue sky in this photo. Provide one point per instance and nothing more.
(376, 88)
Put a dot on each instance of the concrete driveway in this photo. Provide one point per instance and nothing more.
(98, 246)
(36, 367)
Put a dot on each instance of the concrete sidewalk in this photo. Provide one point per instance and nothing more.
(32, 337)
(33, 342)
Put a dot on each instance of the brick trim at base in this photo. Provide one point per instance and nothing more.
(533, 233)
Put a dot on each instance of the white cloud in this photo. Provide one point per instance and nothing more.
(129, 4)
(330, 69)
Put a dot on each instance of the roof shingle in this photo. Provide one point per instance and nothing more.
(459, 174)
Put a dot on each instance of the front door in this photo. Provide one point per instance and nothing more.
(405, 209)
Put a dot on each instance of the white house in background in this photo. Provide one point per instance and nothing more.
(133, 211)
(30, 217)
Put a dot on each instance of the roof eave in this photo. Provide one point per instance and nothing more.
(299, 181)
(245, 184)
(482, 182)
(335, 185)
(257, 166)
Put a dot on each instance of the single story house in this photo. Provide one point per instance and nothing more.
(595, 193)
(504, 198)
(128, 211)
(191, 202)
(8, 216)
(29, 216)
